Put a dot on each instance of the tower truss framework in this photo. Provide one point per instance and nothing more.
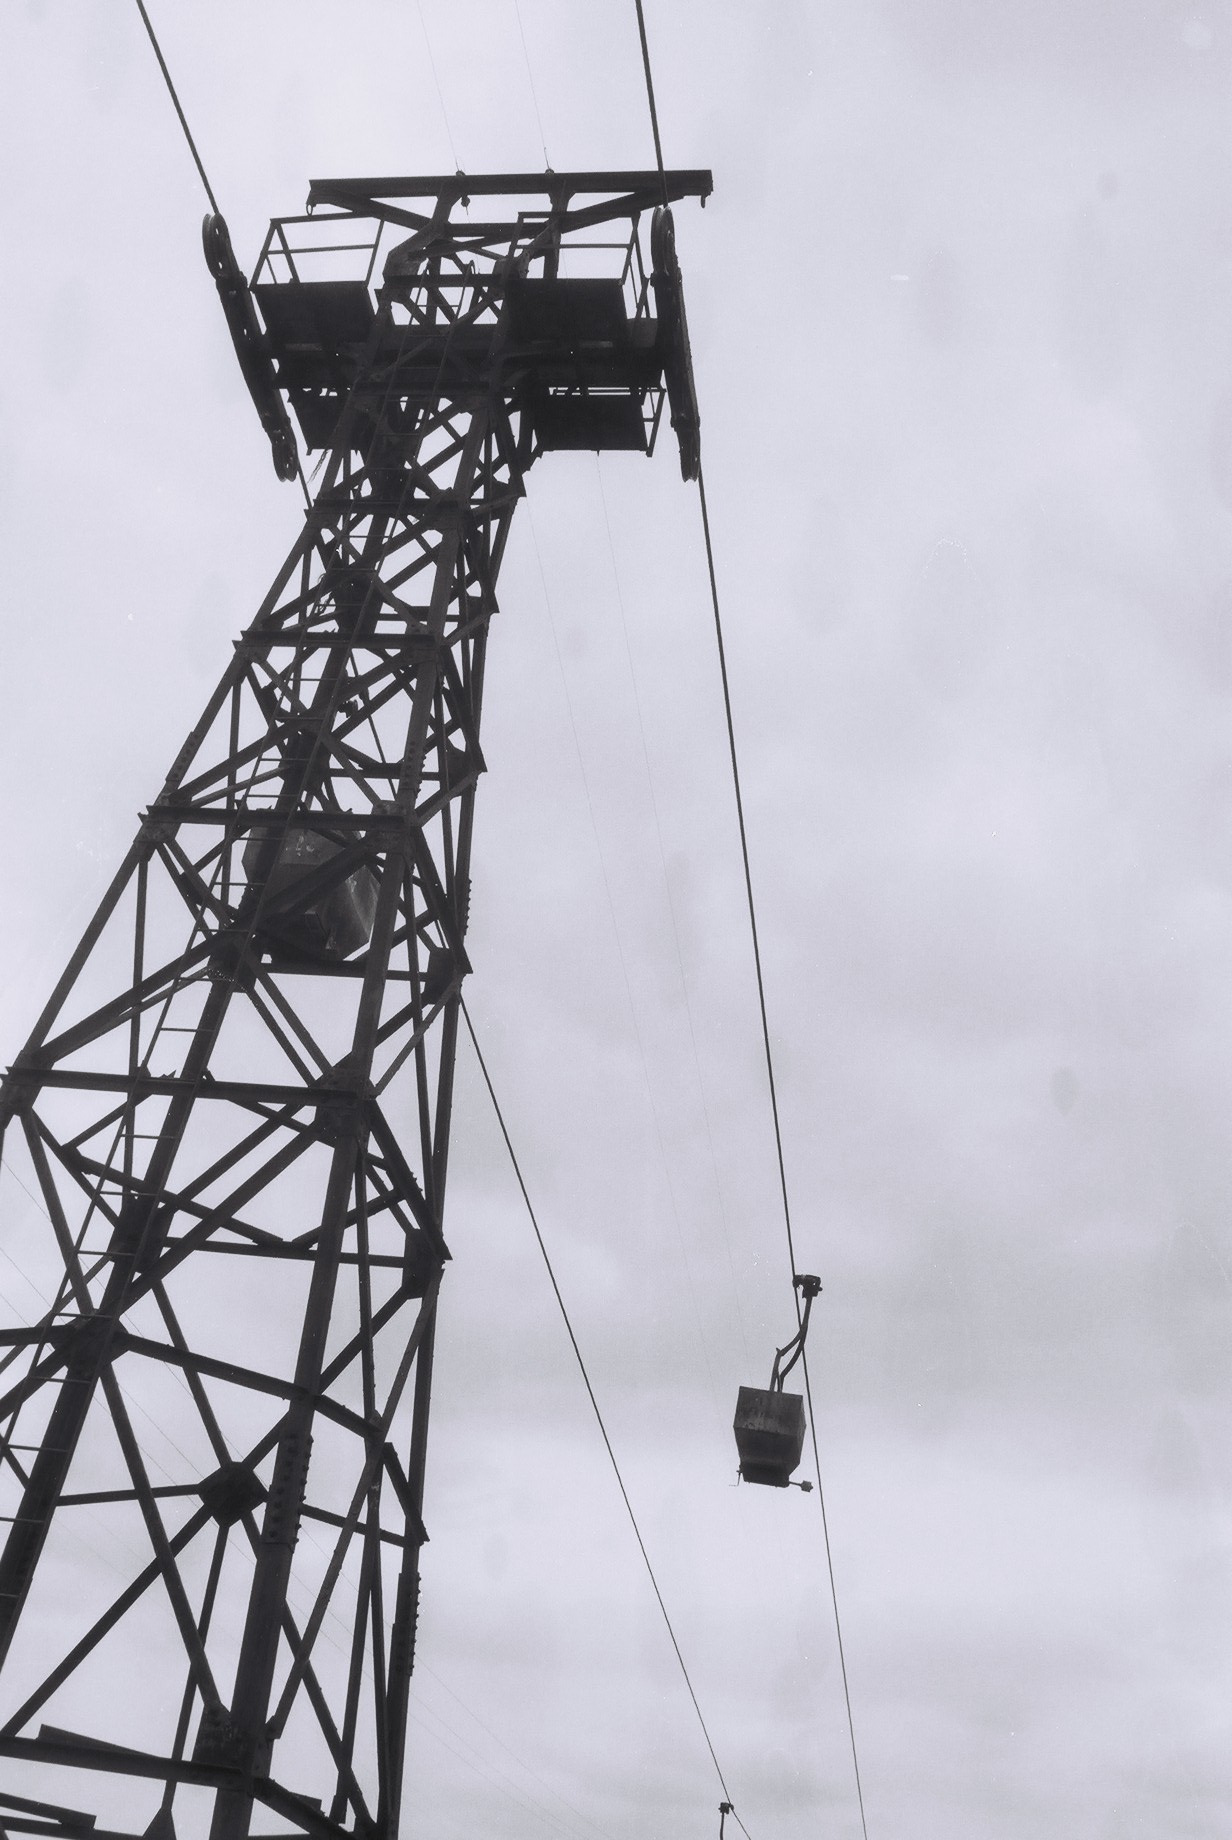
(234, 1110)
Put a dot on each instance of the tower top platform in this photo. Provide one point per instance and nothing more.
(544, 288)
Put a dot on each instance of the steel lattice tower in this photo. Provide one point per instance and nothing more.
(236, 1105)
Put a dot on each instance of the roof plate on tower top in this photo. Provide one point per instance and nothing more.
(696, 183)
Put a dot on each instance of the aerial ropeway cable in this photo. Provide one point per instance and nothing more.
(797, 1276)
(251, 344)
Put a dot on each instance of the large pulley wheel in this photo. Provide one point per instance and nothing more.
(674, 338)
(662, 242)
(250, 348)
(219, 255)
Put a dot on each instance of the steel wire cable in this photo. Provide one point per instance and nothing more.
(761, 987)
(584, 1371)
(650, 96)
(209, 192)
(838, 1628)
(534, 93)
(192, 145)
(440, 94)
(771, 1082)
(748, 885)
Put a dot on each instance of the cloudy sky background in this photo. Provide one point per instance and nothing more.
(962, 315)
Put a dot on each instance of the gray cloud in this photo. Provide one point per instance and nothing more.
(960, 308)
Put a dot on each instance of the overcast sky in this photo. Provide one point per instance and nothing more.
(962, 315)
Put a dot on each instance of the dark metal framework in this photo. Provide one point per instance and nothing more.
(235, 1108)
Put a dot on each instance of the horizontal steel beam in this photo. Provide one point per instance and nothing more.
(696, 182)
(66, 1748)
